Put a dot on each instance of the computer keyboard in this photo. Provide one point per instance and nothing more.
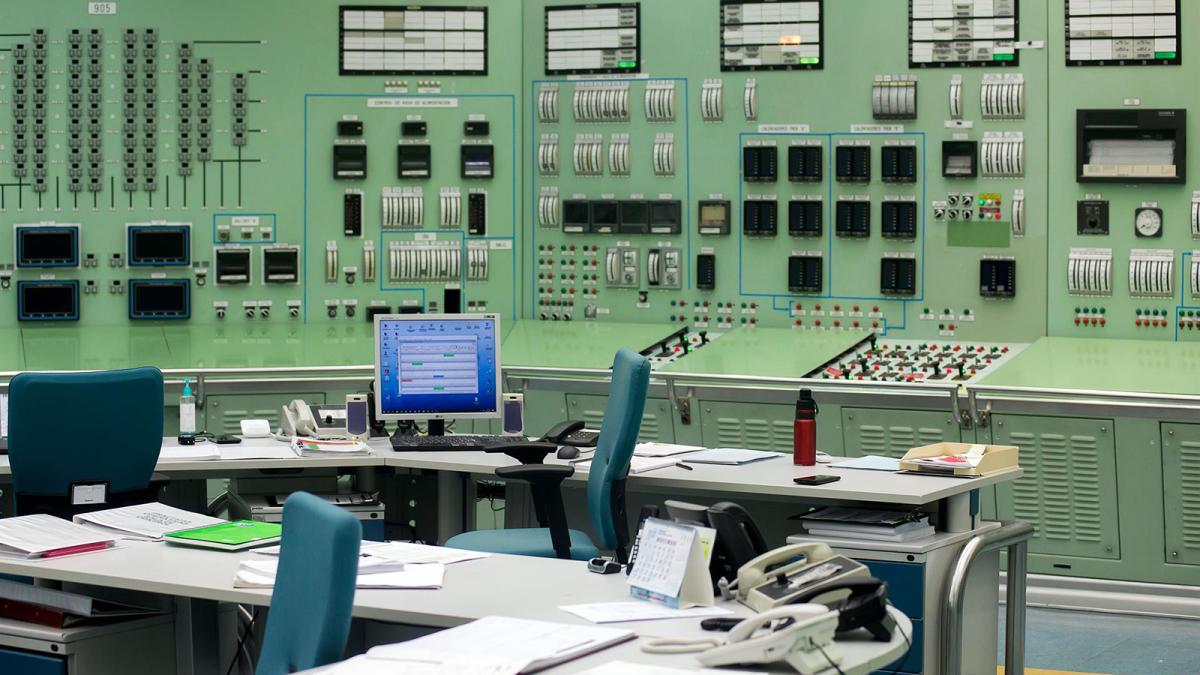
(456, 442)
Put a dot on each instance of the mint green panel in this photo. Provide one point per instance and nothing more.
(1181, 492)
(100, 348)
(746, 425)
(1069, 489)
(543, 409)
(828, 107)
(276, 189)
(223, 413)
(1126, 89)
(891, 433)
(656, 420)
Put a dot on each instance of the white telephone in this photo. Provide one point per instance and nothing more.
(775, 577)
(297, 420)
(801, 635)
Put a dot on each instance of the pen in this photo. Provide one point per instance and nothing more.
(683, 466)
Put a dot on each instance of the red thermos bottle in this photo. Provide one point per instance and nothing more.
(804, 439)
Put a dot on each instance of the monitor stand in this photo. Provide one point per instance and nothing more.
(435, 427)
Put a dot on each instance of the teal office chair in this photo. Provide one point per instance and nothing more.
(314, 587)
(605, 488)
(68, 430)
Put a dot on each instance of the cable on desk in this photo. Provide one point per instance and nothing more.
(831, 663)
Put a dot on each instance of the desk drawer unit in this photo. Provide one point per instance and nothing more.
(29, 663)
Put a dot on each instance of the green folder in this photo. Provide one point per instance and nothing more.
(233, 536)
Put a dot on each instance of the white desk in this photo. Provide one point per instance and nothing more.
(528, 588)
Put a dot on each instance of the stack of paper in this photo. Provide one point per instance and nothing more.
(492, 645)
(59, 609)
(869, 462)
(207, 452)
(639, 610)
(312, 447)
(145, 521)
(42, 536)
(893, 526)
(636, 464)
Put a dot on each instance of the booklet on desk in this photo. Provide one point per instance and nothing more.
(59, 609)
(235, 536)
(42, 536)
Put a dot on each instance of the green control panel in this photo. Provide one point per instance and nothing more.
(982, 171)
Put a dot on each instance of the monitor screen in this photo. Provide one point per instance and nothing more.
(432, 367)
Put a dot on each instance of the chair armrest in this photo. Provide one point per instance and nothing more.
(536, 473)
(545, 484)
(533, 452)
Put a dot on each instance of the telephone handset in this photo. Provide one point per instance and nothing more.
(797, 634)
(865, 606)
(297, 420)
(570, 432)
(774, 562)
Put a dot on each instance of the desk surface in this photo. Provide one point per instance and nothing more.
(1143, 366)
(771, 477)
(767, 478)
(766, 352)
(575, 344)
(532, 588)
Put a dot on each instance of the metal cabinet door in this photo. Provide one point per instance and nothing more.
(1069, 492)
(223, 413)
(891, 432)
(727, 424)
(1181, 492)
(656, 420)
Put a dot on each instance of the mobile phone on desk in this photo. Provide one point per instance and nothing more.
(819, 479)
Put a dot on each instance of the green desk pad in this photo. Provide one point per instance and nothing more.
(766, 352)
(96, 348)
(576, 344)
(1141, 366)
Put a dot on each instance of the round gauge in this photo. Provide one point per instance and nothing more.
(1148, 222)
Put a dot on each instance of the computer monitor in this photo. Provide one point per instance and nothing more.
(434, 367)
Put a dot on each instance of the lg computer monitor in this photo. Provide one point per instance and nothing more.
(437, 366)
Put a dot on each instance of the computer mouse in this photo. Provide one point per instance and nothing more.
(568, 452)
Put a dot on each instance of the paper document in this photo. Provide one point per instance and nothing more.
(728, 456)
(3, 415)
(198, 452)
(653, 449)
(261, 574)
(145, 521)
(306, 446)
(532, 644)
(40, 536)
(450, 664)
(637, 464)
(870, 462)
(626, 668)
(637, 610)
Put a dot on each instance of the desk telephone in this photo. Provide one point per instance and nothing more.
(326, 421)
(781, 576)
(572, 432)
(797, 634)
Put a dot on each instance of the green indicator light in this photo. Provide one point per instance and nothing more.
(1165, 55)
(810, 60)
(627, 64)
(1003, 57)
(439, 389)
(418, 363)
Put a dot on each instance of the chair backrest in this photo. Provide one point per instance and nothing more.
(65, 428)
(618, 436)
(314, 587)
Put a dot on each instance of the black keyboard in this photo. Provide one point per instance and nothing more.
(456, 442)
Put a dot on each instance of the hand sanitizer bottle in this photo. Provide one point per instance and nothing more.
(187, 410)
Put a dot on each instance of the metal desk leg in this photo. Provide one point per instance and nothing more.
(450, 504)
(1015, 537)
(196, 643)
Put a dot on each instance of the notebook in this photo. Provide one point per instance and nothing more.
(731, 456)
(235, 536)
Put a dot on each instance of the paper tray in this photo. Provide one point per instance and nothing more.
(995, 458)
